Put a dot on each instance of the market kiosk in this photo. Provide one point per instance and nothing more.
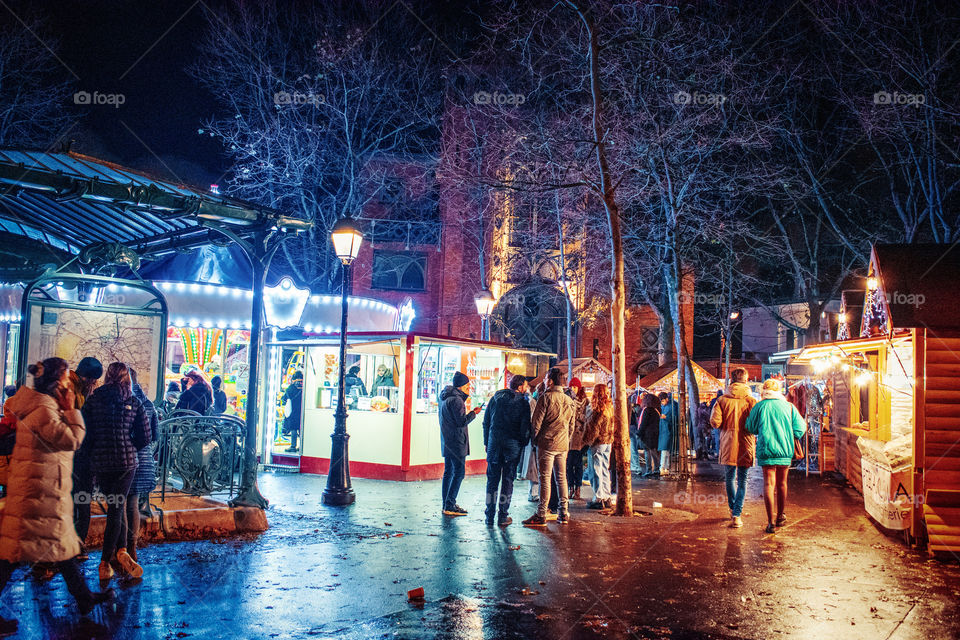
(891, 418)
(392, 397)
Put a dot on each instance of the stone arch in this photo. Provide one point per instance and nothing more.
(533, 316)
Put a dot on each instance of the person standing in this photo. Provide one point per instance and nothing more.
(552, 424)
(145, 480)
(598, 434)
(649, 431)
(197, 395)
(506, 431)
(776, 423)
(219, 395)
(576, 447)
(737, 445)
(384, 379)
(455, 440)
(636, 409)
(293, 412)
(83, 380)
(668, 430)
(37, 523)
(117, 428)
(528, 464)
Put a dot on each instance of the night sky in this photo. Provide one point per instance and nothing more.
(141, 50)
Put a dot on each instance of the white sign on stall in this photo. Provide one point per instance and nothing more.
(885, 496)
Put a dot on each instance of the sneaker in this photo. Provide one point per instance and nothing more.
(504, 522)
(533, 498)
(781, 520)
(7, 627)
(129, 565)
(535, 521)
(736, 523)
(105, 571)
(595, 504)
(97, 597)
(563, 518)
(459, 510)
(770, 529)
(452, 512)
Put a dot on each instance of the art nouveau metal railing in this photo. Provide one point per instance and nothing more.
(200, 455)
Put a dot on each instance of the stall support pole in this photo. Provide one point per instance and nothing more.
(339, 491)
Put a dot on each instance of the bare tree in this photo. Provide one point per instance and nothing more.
(33, 93)
(318, 106)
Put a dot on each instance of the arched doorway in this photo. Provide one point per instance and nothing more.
(532, 316)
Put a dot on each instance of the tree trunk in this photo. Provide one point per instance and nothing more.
(621, 440)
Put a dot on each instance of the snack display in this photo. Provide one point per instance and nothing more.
(379, 403)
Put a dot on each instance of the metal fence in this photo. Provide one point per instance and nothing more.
(200, 455)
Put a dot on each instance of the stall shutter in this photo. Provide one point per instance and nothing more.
(941, 441)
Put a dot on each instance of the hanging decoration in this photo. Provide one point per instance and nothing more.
(874, 321)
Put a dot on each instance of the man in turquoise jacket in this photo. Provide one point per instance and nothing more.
(776, 423)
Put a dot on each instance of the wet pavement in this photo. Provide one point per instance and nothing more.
(679, 572)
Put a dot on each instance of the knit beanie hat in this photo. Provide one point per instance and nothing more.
(575, 382)
(90, 368)
(460, 379)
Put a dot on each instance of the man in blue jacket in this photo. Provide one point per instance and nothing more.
(455, 440)
(506, 431)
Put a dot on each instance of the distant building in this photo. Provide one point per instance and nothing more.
(771, 329)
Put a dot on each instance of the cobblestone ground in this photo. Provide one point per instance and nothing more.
(678, 572)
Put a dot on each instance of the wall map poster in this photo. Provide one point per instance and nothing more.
(73, 334)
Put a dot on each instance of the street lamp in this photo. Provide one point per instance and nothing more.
(485, 303)
(346, 239)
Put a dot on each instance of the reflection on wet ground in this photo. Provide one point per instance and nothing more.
(678, 573)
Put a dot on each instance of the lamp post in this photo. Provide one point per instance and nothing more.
(346, 239)
(485, 303)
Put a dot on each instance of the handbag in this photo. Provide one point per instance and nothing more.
(798, 453)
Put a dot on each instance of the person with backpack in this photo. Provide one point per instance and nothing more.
(37, 519)
(84, 381)
(219, 395)
(117, 427)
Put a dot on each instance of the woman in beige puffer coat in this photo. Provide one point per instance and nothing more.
(36, 524)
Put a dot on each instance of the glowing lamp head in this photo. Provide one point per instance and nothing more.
(485, 302)
(346, 237)
(872, 283)
(734, 315)
(841, 317)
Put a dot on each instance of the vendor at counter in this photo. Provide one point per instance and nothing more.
(353, 380)
(384, 379)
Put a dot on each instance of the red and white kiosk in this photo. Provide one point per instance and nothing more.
(393, 421)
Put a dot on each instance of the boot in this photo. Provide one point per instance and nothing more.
(129, 565)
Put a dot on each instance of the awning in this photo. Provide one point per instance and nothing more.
(847, 347)
(71, 201)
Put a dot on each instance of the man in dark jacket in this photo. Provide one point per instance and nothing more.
(455, 440)
(506, 431)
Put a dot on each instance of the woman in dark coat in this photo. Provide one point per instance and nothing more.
(219, 395)
(117, 427)
(293, 395)
(145, 479)
(197, 396)
(649, 431)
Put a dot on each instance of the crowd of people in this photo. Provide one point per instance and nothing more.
(543, 435)
(80, 437)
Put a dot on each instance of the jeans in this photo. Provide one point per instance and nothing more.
(635, 462)
(664, 461)
(735, 497)
(454, 468)
(132, 530)
(115, 485)
(652, 460)
(574, 469)
(501, 471)
(552, 464)
(716, 442)
(600, 462)
(69, 569)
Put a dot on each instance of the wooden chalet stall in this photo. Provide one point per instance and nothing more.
(893, 406)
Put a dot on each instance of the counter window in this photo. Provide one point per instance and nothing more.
(372, 381)
(438, 362)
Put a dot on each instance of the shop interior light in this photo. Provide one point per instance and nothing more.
(864, 378)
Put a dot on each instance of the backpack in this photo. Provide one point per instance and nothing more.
(8, 434)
